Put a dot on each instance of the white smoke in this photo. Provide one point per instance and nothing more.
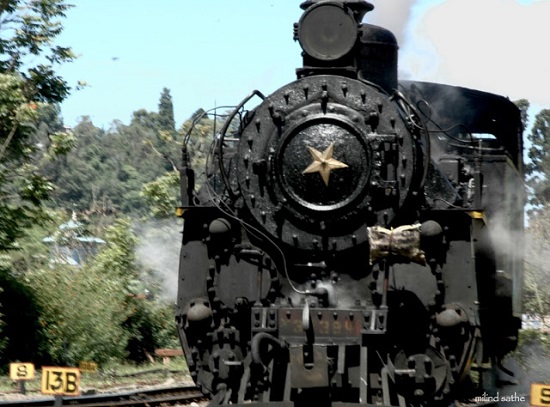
(393, 15)
(158, 250)
(492, 45)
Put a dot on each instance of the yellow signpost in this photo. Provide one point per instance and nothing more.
(540, 395)
(64, 381)
(87, 367)
(21, 371)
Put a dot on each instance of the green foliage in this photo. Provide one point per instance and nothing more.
(536, 297)
(537, 264)
(75, 175)
(166, 112)
(151, 326)
(22, 190)
(23, 338)
(82, 313)
(30, 253)
(28, 82)
(161, 194)
(200, 130)
(29, 29)
(538, 169)
(145, 322)
(118, 258)
(523, 106)
(62, 143)
(3, 336)
(144, 119)
(529, 336)
(56, 313)
(528, 342)
(166, 334)
(105, 170)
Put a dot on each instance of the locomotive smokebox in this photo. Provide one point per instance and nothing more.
(378, 57)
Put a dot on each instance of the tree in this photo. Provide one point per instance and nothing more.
(82, 312)
(166, 112)
(537, 266)
(144, 322)
(23, 337)
(523, 106)
(78, 177)
(537, 269)
(165, 143)
(105, 171)
(29, 29)
(538, 169)
(62, 314)
(145, 119)
(161, 194)
(28, 82)
(200, 130)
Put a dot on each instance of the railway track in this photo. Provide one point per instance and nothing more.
(165, 396)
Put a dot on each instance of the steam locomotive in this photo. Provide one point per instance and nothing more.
(357, 241)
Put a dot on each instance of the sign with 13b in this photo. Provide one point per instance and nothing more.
(61, 381)
(21, 371)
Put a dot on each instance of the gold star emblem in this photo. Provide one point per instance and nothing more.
(323, 163)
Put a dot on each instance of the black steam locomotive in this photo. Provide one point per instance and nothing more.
(358, 239)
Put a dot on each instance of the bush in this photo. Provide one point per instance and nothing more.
(82, 314)
(22, 335)
(61, 314)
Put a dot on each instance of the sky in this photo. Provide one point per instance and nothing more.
(213, 53)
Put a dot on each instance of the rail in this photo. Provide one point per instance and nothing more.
(145, 397)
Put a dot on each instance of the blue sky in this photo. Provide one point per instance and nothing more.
(212, 53)
(208, 55)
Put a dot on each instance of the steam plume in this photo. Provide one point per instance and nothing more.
(493, 45)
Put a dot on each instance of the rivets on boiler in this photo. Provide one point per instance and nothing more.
(345, 88)
(306, 91)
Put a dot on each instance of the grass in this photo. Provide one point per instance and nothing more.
(530, 339)
(115, 376)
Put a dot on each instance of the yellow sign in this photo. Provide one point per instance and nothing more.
(540, 395)
(88, 367)
(60, 381)
(21, 371)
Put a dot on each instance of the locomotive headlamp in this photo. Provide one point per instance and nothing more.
(327, 31)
